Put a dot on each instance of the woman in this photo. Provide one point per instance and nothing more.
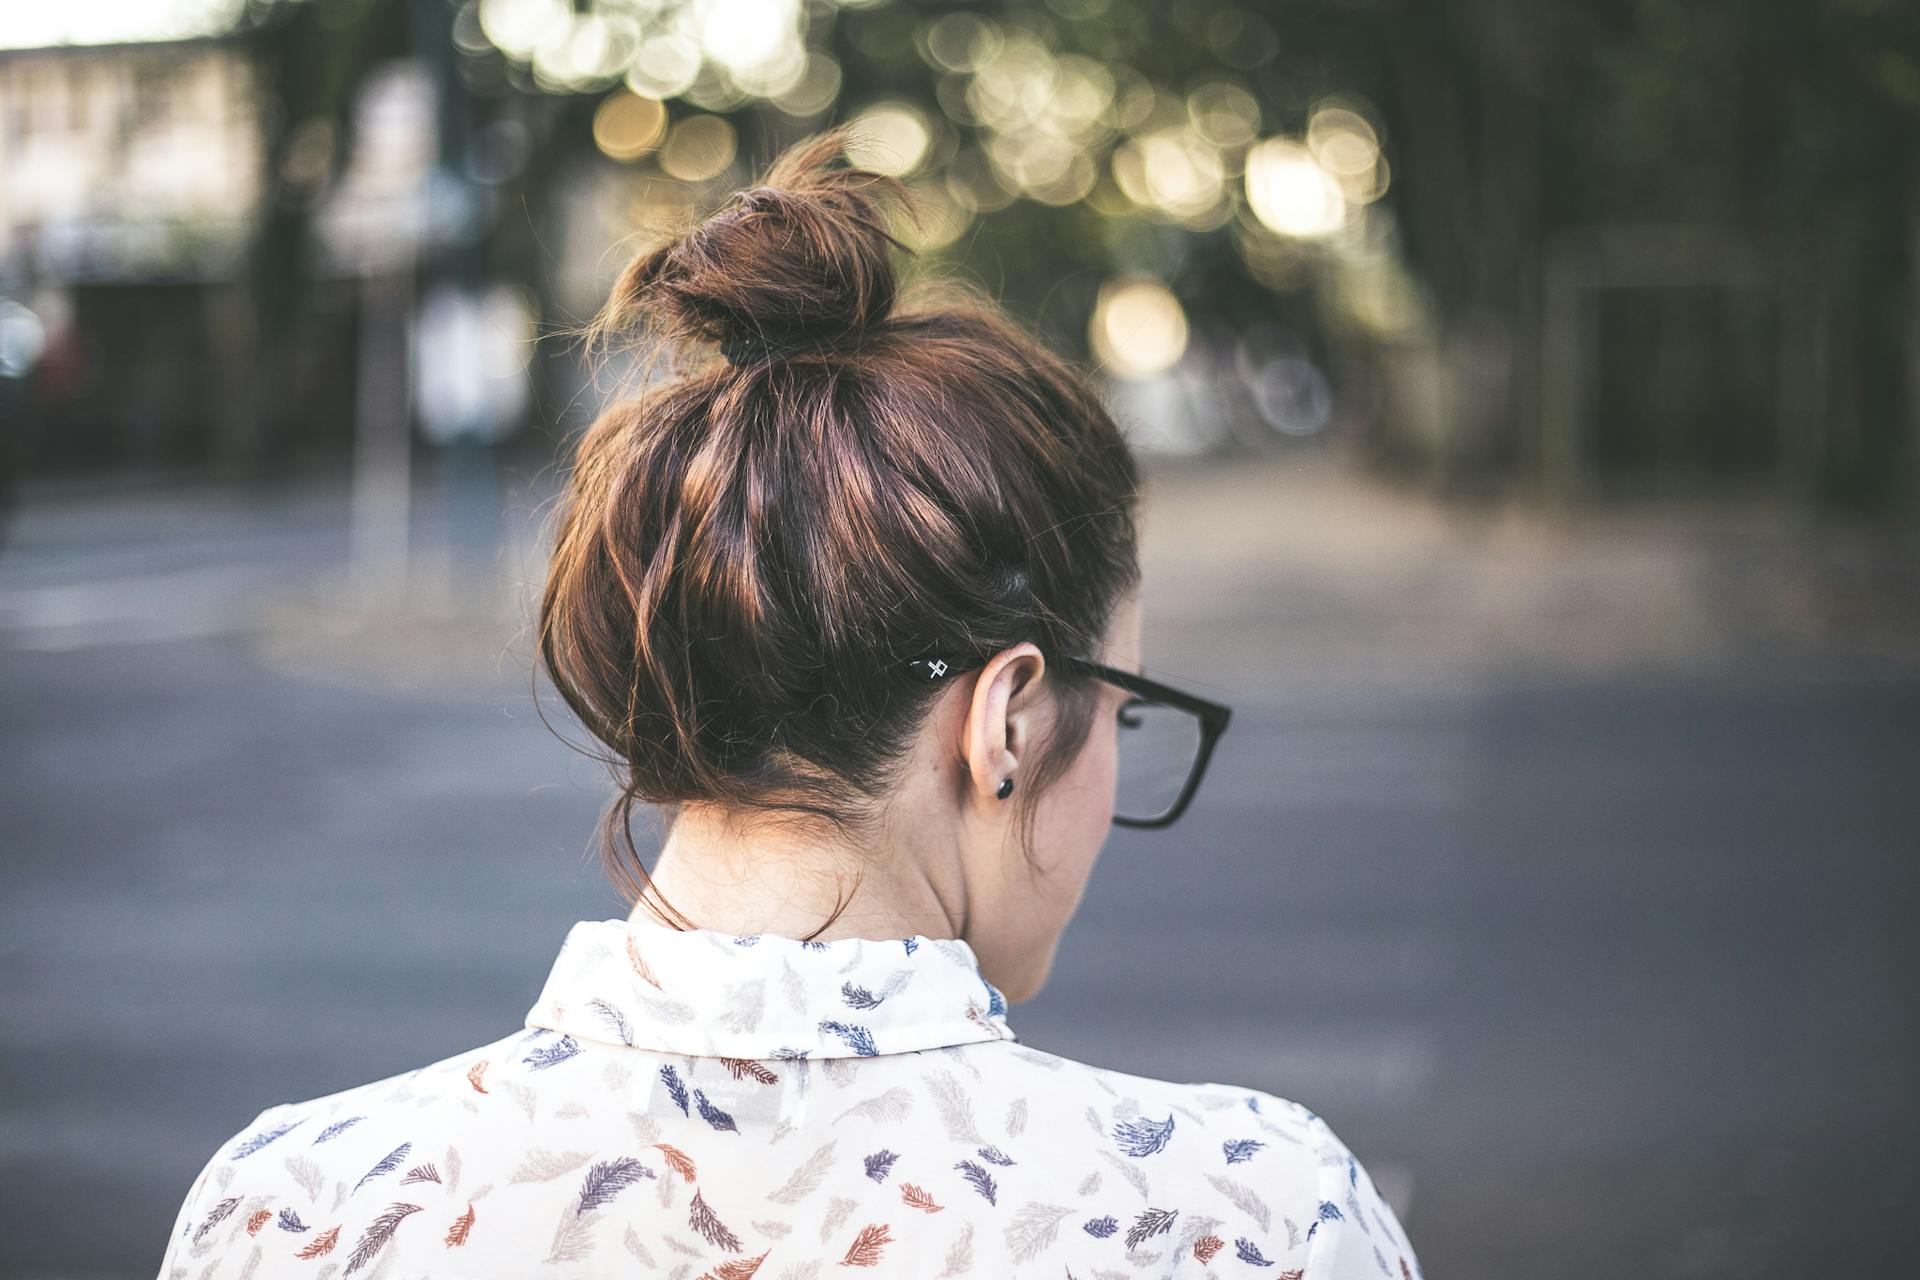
(853, 596)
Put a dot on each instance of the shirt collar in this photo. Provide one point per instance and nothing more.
(706, 993)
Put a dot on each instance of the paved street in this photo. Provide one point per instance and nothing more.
(1569, 876)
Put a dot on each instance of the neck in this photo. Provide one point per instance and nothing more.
(738, 879)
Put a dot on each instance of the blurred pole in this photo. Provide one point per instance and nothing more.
(1804, 325)
(1912, 363)
(470, 349)
(473, 505)
(1564, 342)
(382, 216)
(235, 349)
(23, 339)
(451, 357)
(383, 453)
(13, 400)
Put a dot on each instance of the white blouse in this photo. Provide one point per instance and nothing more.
(696, 1104)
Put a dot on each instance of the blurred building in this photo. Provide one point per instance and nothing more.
(132, 190)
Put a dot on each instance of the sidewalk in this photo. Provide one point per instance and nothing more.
(1277, 569)
(1259, 574)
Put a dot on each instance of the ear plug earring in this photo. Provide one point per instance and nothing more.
(1006, 788)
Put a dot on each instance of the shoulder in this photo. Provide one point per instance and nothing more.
(1225, 1170)
(286, 1181)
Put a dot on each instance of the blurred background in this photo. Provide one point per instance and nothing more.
(1529, 392)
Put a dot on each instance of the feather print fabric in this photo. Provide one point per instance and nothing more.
(699, 1106)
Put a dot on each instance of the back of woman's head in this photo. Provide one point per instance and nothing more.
(833, 480)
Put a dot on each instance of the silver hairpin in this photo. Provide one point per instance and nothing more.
(935, 667)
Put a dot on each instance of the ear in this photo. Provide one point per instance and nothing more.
(1003, 718)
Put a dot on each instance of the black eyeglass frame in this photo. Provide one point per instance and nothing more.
(1213, 717)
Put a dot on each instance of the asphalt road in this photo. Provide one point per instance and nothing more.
(1600, 972)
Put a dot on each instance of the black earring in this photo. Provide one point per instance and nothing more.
(1006, 788)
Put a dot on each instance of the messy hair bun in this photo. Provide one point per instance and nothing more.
(804, 259)
(748, 554)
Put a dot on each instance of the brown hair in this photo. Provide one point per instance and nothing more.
(751, 549)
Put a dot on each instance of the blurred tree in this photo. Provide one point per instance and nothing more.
(1507, 129)
(310, 59)
(1793, 124)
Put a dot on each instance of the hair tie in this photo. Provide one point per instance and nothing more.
(751, 347)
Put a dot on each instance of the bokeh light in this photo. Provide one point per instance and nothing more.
(1176, 172)
(1224, 113)
(749, 38)
(698, 148)
(627, 126)
(1291, 394)
(938, 219)
(22, 338)
(1289, 191)
(718, 53)
(960, 41)
(1138, 329)
(816, 90)
(890, 137)
(665, 66)
(1345, 144)
(517, 27)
